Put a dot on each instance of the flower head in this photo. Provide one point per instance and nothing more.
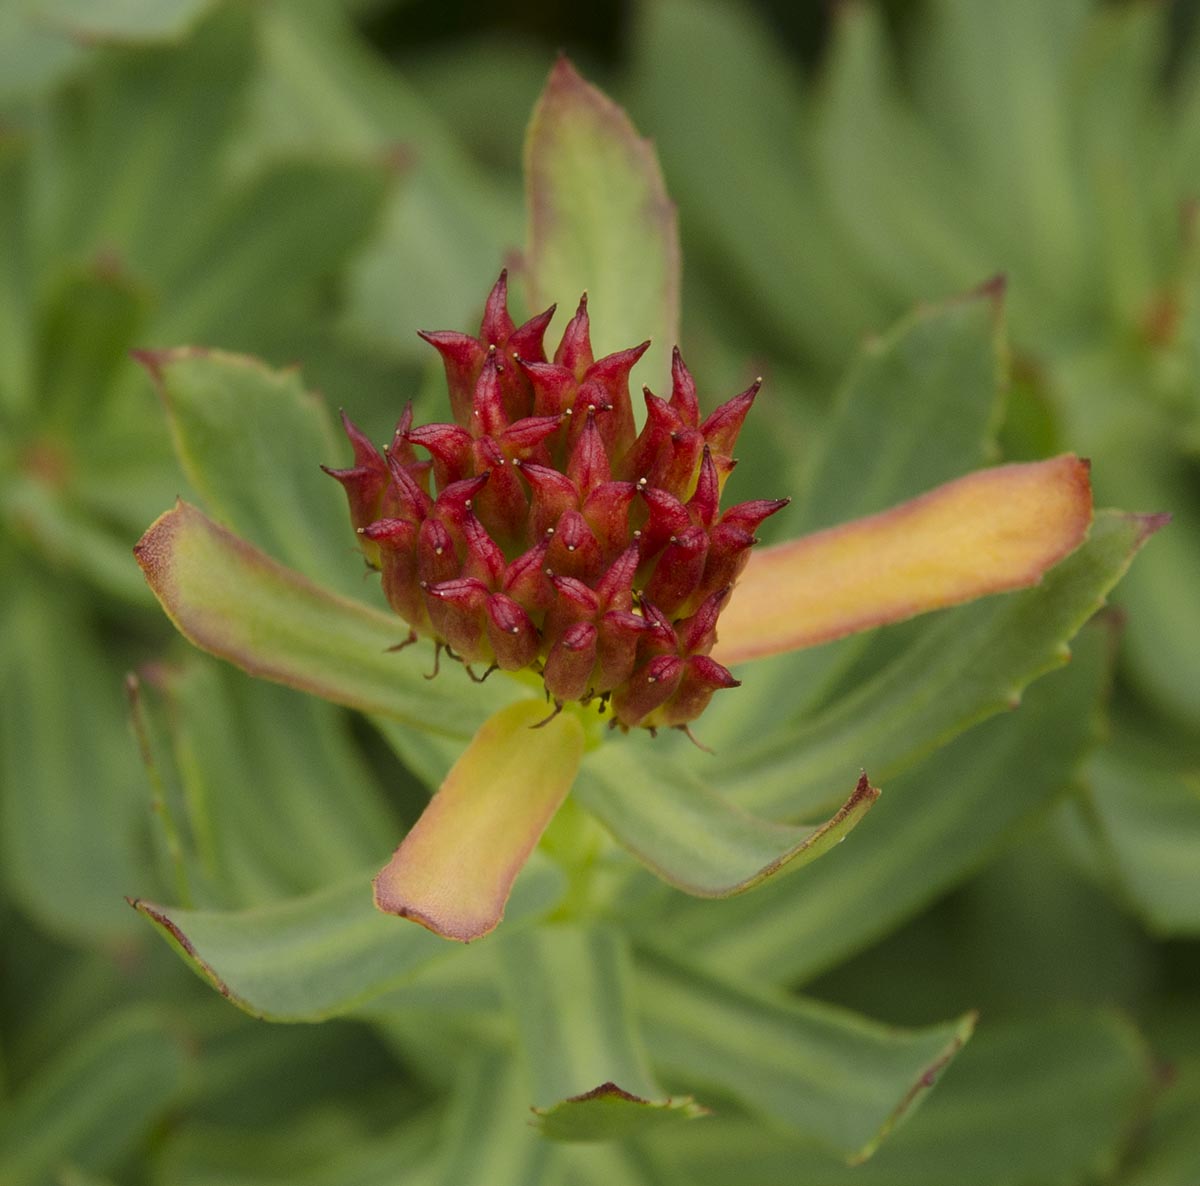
(541, 530)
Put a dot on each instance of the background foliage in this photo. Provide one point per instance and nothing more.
(310, 183)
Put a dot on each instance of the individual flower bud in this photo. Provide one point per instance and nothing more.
(513, 636)
(568, 671)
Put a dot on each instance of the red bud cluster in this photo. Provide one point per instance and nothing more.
(542, 530)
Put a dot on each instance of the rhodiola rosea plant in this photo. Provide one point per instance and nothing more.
(557, 567)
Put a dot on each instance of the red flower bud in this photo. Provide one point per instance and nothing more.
(531, 547)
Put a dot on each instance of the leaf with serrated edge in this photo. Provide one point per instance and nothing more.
(974, 662)
(827, 1074)
(608, 1113)
(322, 955)
(694, 839)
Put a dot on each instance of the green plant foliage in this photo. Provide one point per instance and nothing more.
(927, 913)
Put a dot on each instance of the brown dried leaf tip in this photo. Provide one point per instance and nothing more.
(540, 529)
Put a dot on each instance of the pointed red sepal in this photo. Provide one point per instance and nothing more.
(683, 391)
(678, 570)
(552, 495)
(484, 559)
(720, 430)
(399, 449)
(458, 611)
(606, 510)
(395, 541)
(568, 671)
(456, 502)
(655, 437)
(497, 326)
(462, 356)
(450, 448)
(554, 387)
(513, 636)
(574, 551)
(667, 517)
(697, 634)
(706, 501)
(702, 677)
(364, 482)
(652, 685)
(588, 465)
(522, 438)
(502, 503)
(619, 633)
(405, 498)
(614, 590)
(575, 350)
(527, 581)
(527, 341)
(488, 415)
(612, 373)
(437, 557)
(574, 602)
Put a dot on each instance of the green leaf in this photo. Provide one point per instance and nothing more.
(1045, 1101)
(266, 247)
(251, 441)
(445, 229)
(741, 174)
(238, 604)
(935, 376)
(892, 188)
(68, 771)
(826, 1074)
(932, 827)
(16, 303)
(1148, 818)
(121, 20)
(690, 836)
(129, 162)
(94, 1104)
(600, 221)
(264, 792)
(84, 334)
(324, 954)
(972, 662)
(572, 993)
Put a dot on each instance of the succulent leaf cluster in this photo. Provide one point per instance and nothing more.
(541, 529)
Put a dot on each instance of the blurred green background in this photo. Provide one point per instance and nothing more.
(311, 182)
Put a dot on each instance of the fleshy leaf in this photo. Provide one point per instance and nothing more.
(572, 992)
(823, 1072)
(121, 20)
(988, 532)
(250, 439)
(1148, 817)
(971, 663)
(238, 604)
(600, 220)
(321, 955)
(608, 1113)
(1069, 1084)
(92, 1105)
(691, 837)
(455, 868)
(935, 824)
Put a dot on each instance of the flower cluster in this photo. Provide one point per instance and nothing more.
(544, 531)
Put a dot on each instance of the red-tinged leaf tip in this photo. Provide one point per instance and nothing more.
(992, 531)
(454, 870)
